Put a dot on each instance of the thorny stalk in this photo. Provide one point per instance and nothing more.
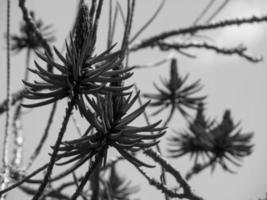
(4, 179)
(160, 186)
(240, 50)
(55, 150)
(163, 175)
(193, 29)
(176, 174)
(87, 176)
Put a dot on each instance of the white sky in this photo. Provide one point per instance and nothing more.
(230, 82)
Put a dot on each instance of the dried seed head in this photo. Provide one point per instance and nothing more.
(82, 27)
(175, 80)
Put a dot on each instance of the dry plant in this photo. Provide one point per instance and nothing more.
(96, 87)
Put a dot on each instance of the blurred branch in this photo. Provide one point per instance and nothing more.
(44, 137)
(144, 27)
(23, 179)
(193, 29)
(239, 50)
(4, 178)
(176, 174)
(17, 96)
(29, 21)
(197, 168)
(203, 12)
(160, 186)
(55, 149)
(53, 193)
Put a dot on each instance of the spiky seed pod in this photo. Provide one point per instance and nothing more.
(79, 74)
(112, 130)
(195, 141)
(229, 144)
(176, 94)
(27, 38)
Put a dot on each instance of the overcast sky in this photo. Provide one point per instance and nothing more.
(230, 82)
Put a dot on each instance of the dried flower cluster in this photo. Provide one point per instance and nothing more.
(217, 142)
(176, 94)
(97, 90)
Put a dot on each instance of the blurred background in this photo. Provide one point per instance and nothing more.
(229, 81)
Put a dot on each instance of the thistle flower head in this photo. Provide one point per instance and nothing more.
(112, 129)
(176, 94)
(28, 39)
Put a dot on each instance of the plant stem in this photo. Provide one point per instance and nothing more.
(5, 178)
(17, 122)
(15, 97)
(55, 150)
(87, 176)
(44, 137)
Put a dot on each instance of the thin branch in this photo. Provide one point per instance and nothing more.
(87, 176)
(76, 182)
(114, 23)
(204, 11)
(94, 180)
(160, 186)
(197, 168)
(193, 29)
(152, 65)
(18, 138)
(24, 179)
(4, 180)
(176, 174)
(217, 11)
(77, 125)
(240, 50)
(121, 12)
(55, 150)
(110, 11)
(31, 24)
(153, 17)
(53, 193)
(163, 175)
(17, 96)
(17, 122)
(44, 137)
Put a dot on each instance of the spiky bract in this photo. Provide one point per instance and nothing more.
(218, 143)
(112, 130)
(176, 94)
(79, 74)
